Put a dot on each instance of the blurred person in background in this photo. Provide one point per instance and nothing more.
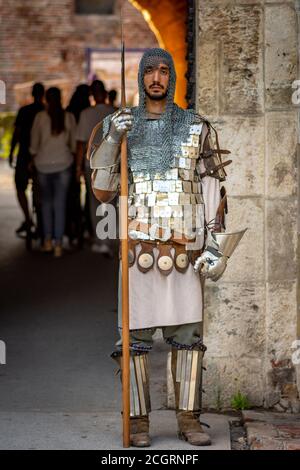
(21, 136)
(112, 97)
(80, 100)
(53, 147)
(88, 119)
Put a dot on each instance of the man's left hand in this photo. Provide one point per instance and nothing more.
(211, 265)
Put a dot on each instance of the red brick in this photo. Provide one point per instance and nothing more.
(37, 37)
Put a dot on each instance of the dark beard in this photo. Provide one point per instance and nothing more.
(156, 98)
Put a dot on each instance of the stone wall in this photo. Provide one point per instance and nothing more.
(46, 41)
(247, 61)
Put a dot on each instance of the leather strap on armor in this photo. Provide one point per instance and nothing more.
(165, 260)
(145, 259)
(211, 157)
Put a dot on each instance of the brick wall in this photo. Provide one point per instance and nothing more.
(43, 40)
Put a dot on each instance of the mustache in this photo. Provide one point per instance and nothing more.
(156, 85)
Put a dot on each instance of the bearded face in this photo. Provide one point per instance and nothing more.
(156, 81)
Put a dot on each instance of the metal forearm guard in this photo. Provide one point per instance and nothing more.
(211, 157)
(105, 163)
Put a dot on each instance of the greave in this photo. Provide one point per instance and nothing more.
(139, 384)
(187, 378)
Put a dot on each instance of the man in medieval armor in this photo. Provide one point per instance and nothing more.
(175, 215)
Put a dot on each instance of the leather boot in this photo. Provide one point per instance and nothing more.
(139, 431)
(190, 429)
(187, 378)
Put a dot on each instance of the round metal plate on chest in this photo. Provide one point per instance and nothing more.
(145, 260)
(182, 260)
(165, 263)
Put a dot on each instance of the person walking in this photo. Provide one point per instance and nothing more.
(21, 136)
(79, 101)
(88, 120)
(53, 148)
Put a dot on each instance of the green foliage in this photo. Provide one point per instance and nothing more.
(6, 129)
(240, 402)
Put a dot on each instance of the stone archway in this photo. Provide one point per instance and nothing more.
(167, 19)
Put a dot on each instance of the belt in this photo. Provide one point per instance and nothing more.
(165, 261)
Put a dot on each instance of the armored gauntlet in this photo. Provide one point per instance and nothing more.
(105, 159)
(220, 246)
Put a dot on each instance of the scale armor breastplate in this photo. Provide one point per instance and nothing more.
(171, 199)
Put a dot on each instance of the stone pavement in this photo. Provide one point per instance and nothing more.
(100, 430)
(268, 430)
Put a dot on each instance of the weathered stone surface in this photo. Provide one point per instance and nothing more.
(292, 445)
(267, 443)
(284, 402)
(245, 138)
(280, 331)
(260, 429)
(295, 405)
(238, 28)
(280, 54)
(208, 73)
(290, 391)
(271, 398)
(281, 154)
(225, 377)
(268, 417)
(247, 262)
(281, 247)
(289, 430)
(279, 408)
(234, 322)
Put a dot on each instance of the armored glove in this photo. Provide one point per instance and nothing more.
(105, 159)
(211, 263)
(219, 247)
(121, 122)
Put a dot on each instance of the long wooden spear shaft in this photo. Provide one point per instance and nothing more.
(125, 269)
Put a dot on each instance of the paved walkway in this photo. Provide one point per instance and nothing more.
(58, 320)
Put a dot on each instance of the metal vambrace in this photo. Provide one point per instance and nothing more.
(187, 377)
(105, 162)
(139, 384)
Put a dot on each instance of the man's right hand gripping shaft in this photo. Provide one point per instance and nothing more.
(121, 122)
